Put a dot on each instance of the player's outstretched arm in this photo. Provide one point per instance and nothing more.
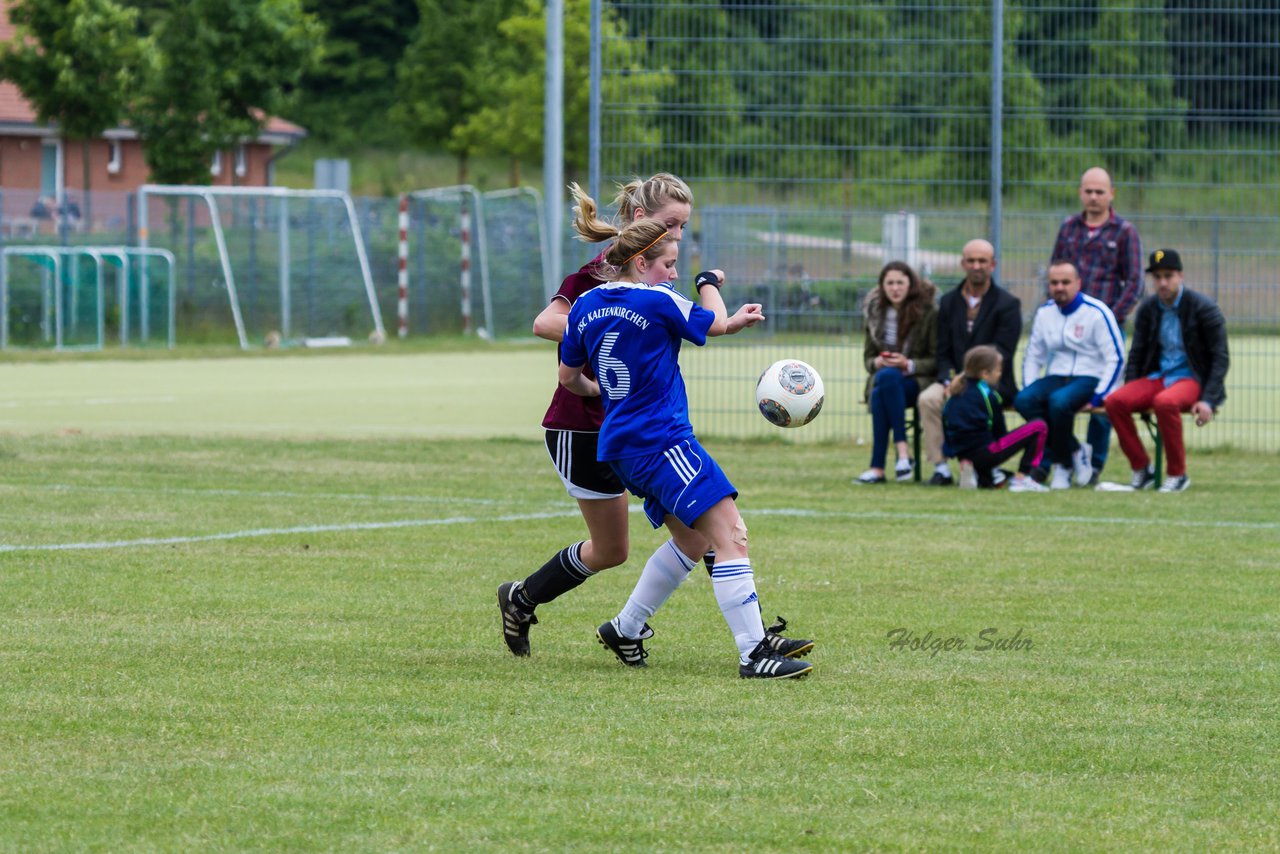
(749, 315)
(708, 284)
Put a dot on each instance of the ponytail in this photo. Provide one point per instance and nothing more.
(977, 362)
(642, 238)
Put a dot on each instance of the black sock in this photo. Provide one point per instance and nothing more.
(559, 575)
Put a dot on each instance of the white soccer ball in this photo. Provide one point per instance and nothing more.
(790, 393)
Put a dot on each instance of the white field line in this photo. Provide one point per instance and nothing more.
(91, 401)
(272, 532)
(253, 493)
(956, 519)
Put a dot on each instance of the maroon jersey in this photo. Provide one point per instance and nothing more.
(568, 411)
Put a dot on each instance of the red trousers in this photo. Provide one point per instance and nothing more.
(1168, 403)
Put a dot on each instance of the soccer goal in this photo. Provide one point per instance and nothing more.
(61, 296)
(471, 261)
(267, 261)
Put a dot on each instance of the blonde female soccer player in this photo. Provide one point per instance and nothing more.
(629, 330)
(572, 425)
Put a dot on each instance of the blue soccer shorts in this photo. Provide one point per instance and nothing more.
(682, 481)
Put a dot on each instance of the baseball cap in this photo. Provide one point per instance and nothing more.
(1164, 259)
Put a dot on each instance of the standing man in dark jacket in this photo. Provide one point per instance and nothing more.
(1178, 363)
(1107, 253)
(976, 311)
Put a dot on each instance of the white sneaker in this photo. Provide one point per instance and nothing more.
(1026, 484)
(1082, 465)
(1175, 484)
(968, 477)
(903, 470)
(1061, 477)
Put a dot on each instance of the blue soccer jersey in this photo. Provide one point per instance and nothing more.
(632, 334)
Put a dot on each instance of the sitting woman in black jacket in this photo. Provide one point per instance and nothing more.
(974, 429)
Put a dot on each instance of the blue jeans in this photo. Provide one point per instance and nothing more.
(1056, 400)
(891, 394)
(1099, 438)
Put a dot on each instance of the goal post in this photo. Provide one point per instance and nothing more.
(292, 262)
(455, 238)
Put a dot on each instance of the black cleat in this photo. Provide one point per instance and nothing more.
(630, 651)
(785, 647)
(766, 664)
(515, 620)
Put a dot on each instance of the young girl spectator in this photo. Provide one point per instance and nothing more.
(630, 331)
(899, 351)
(974, 429)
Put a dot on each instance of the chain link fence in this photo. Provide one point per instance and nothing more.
(825, 138)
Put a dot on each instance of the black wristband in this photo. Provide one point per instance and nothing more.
(706, 277)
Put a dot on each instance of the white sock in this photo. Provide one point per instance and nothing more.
(735, 587)
(666, 569)
(943, 469)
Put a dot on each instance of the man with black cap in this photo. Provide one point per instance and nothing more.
(1178, 363)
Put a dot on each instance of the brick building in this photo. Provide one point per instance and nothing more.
(40, 173)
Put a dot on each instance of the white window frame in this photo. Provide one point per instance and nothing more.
(215, 168)
(242, 161)
(115, 162)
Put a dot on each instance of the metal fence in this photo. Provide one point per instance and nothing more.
(253, 265)
(821, 139)
(811, 130)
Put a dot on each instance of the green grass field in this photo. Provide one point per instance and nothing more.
(252, 607)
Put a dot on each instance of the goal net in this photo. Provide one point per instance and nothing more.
(263, 262)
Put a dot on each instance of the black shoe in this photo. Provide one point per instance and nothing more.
(785, 647)
(940, 479)
(1143, 478)
(515, 620)
(630, 651)
(766, 664)
(1095, 477)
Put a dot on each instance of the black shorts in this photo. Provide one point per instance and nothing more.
(574, 455)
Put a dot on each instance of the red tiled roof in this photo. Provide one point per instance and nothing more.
(14, 107)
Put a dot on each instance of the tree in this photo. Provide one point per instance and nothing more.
(348, 97)
(433, 74)
(1129, 105)
(214, 71)
(75, 61)
(506, 88)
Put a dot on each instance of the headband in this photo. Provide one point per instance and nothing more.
(644, 250)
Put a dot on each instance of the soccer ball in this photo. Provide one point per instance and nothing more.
(789, 393)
